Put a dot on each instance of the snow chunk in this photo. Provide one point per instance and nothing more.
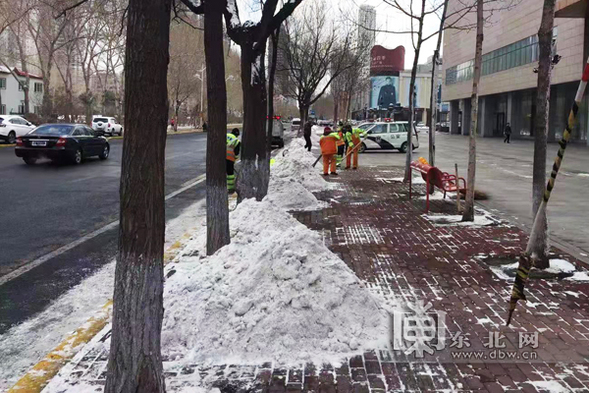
(275, 291)
(456, 220)
(560, 266)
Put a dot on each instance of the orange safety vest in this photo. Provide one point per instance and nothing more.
(328, 143)
(232, 142)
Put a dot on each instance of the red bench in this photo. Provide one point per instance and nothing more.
(432, 175)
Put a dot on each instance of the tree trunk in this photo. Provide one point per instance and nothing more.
(177, 112)
(135, 363)
(335, 110)
(434, 90)
(253, 153)
(468, 214)
(217, 200)
(409, 154)
(540, 133)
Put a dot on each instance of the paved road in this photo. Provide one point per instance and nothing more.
(504, 172)
(47, 206)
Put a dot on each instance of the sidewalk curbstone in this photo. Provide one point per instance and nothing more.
(40, 375)
(35, 380)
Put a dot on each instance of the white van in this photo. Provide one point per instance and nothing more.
(387, 135)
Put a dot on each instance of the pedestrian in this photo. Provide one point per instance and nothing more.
(307, 134)
(172, 124)
(353, 141)
(329, 150)
(204, 127)
(507, 133)
(233, 147)
(341, 146)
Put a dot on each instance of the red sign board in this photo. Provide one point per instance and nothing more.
(385, 61)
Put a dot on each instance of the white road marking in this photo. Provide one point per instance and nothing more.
(31, 265)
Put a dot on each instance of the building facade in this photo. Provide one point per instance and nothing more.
(507, 89)
(12, 95)
(360, 100)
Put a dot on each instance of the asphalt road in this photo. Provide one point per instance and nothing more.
(504, 172)
(47, 206)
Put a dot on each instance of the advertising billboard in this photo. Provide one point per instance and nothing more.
(384, 91)
(385, 61)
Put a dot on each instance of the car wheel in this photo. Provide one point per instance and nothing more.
(29, 160)
(11, 137)
(403, 148)
(121, 132)
(105, 152)
(77, 157)
(362, 148)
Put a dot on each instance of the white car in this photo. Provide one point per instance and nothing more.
(108, 125)
(277, 132)
(387, 135)
(296, 124)
(420, 127)
(12, 126)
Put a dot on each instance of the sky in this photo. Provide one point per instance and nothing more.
(387, 18)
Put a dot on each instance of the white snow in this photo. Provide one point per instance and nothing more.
(436, 196)
(294, 163)
(560, 266)
(24, 345)
(550, 386)
(456, 220)
(579, 276)
(275, 293)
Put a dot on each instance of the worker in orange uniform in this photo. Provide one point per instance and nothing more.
(353, 140)
(328, 143)
(341, 145)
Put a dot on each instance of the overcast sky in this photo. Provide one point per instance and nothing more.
(387, 18)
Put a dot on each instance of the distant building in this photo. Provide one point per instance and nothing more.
(367, 25)
(13, 96)
(508, 85)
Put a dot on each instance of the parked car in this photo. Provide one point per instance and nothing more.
(106, 125)
(72, 142)
(420, 127)
(387, 135)
(296, 124)
(12, 126)
(277, 132)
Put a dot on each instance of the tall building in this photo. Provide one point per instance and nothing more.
(367, 25)
(360, 101)
(508, 85)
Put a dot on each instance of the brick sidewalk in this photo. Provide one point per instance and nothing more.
(402, 256)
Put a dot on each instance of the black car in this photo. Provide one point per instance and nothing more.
(71, 142)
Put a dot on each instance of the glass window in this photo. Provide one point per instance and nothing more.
(79, 132)
(2, 83)
(88, 131)
(393, 128)
(53, 129)
(105, 120)
(379, 129)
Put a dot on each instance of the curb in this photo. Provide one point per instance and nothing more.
(9, 145)
(38, 376)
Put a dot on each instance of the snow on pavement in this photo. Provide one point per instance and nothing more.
(27, 343)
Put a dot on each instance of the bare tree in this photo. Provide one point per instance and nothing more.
(135, 363)
(316, 53)
(468, 214)
(545, 42)
(251, 38)
(217, 200)
(434, 90)
(186, 61)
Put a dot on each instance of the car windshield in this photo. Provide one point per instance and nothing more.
(365, 126)
(53, 130)
(102, 119)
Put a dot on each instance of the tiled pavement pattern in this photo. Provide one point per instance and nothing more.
(386, 240)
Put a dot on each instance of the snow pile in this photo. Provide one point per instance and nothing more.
(295, 163)
(275, 293)
(560, 266)
(556, 267)
(291, 195)
(456, 220)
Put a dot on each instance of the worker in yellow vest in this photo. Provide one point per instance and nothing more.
(233, 146)
(353, 140)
